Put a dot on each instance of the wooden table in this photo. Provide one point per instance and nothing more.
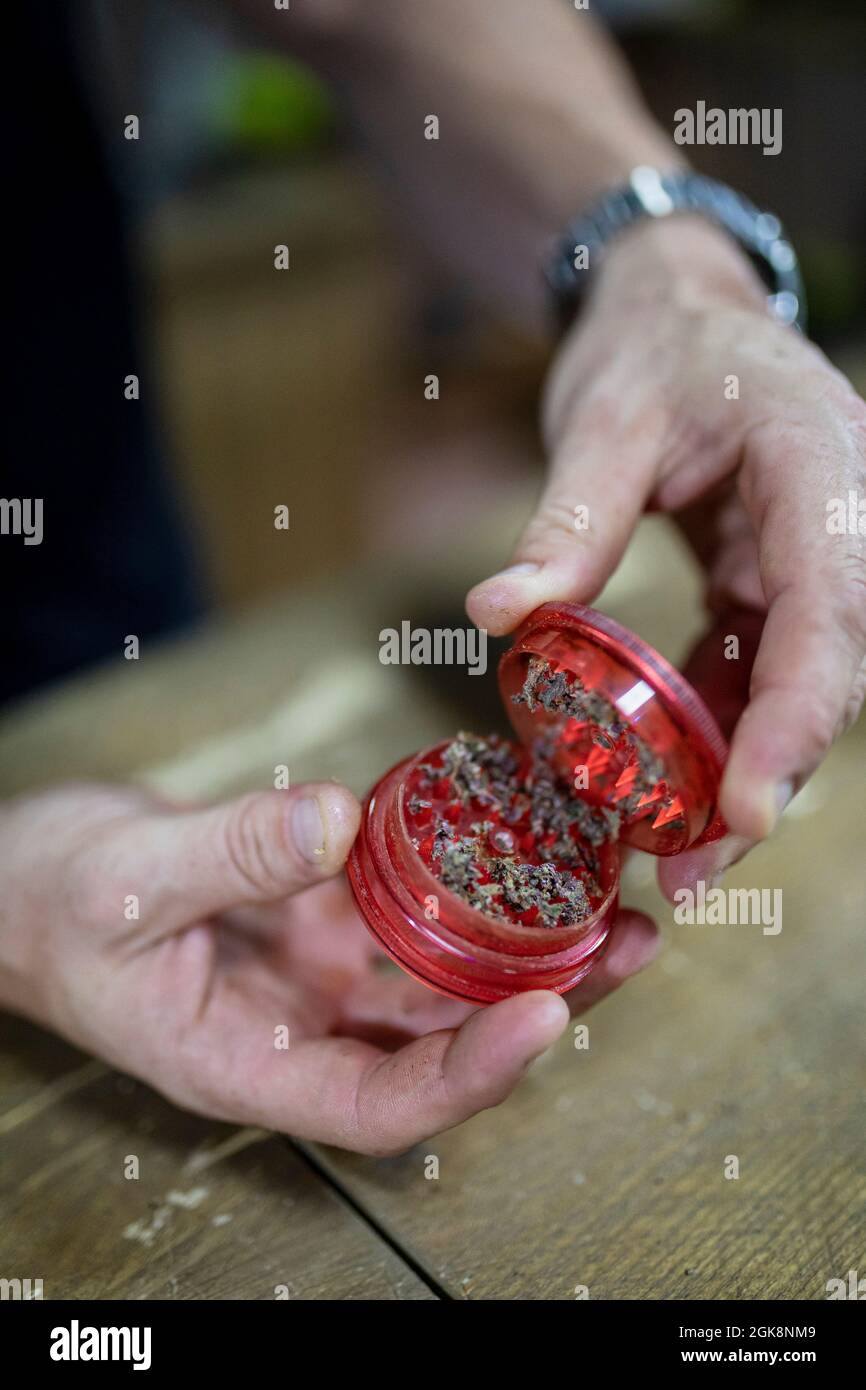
(605, 1170)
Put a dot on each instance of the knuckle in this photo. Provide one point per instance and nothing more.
(855, 700)
(851, 598)
(622, 415)
(599, 415)
(820, 723)
(253, 845)
(555, 519)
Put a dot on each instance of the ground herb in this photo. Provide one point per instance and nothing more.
(561, 693)
(558, 692)
(499, 826)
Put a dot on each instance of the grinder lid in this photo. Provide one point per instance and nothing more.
(623, 726)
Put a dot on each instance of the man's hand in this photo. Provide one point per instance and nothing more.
(243, 930)
(640, 412)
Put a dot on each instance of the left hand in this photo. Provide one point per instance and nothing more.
(636, 414)
(242, 926)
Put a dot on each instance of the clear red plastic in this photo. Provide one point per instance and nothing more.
(437, 937)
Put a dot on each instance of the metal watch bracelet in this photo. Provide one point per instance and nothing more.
(651, 193)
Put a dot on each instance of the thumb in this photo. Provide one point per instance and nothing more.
(256, 849)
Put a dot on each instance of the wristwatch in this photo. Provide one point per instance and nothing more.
(651, 193)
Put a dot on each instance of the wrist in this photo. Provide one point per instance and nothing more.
(684, 258)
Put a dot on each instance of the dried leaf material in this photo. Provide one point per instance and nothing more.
(558, 692)
(498, 827)
(562, 693)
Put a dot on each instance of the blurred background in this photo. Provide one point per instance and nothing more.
(307, 389)
(246, 149)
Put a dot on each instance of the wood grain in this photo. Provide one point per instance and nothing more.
(607, 1168)
(215, 1213)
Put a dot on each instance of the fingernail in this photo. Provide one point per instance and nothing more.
(784, 794)
(515, 571)
(308, 829)
(775, 800)
(732, 849)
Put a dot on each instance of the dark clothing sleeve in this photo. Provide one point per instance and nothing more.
(114, 558)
